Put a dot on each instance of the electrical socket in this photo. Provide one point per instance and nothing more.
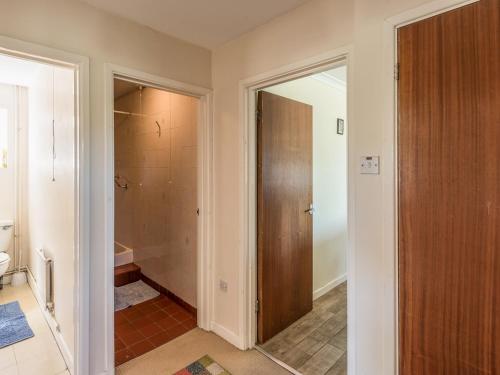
(370, 164)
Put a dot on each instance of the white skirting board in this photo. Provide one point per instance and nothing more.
(61, 343)
(226, 334)
(329, 286)
(234, 339)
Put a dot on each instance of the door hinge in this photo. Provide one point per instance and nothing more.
(258, 115)
(198, 211)
(257, 306)
(396, 72)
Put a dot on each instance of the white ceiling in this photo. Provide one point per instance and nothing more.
(339, 74)
(207, 23)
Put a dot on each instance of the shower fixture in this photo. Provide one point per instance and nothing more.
(159, 129)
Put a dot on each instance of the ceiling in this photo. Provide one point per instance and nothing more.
(207, 23)
(339, 74)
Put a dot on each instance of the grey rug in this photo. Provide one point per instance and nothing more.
(13, 324)
(132, 294)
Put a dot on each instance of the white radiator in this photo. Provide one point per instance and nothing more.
(44, 280)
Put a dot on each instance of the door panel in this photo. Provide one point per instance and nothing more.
(449, 192)
(284, 193)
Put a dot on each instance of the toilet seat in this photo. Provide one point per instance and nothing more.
(4, 258)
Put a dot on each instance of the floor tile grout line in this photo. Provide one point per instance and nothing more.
(327, 309)
(180, 324)
(25, 296)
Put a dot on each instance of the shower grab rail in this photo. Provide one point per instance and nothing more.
(130, 113)
(140, 115)
(159, 129)
(117, 183)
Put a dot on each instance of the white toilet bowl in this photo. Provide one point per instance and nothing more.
(6, 237)
(4, 262)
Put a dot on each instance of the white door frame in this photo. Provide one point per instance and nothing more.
(205, 192)
(390, 177)
(79, 363)
(248, 204)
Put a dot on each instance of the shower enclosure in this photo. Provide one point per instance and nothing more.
(156, 185)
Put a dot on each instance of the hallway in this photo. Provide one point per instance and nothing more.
(195, 344)
(317, 343)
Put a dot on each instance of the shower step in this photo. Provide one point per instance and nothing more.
(126, 274)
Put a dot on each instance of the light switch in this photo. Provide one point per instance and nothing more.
(370, 165)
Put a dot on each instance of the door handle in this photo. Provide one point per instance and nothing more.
(117, 183)
(310, 211)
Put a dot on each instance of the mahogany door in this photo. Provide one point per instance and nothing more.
(284, 222)
(449, 193)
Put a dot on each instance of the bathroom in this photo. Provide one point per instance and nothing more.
(38, 231)
(156, 216)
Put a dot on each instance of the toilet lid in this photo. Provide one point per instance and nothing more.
(4, 257)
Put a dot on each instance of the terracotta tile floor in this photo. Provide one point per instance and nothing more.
(143, 327)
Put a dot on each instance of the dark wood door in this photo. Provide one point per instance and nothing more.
(449, 193)
(284, 194)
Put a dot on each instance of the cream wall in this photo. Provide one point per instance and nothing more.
(21, 74)
(316, 27)
(41, 224)
(156, 215)
(7, 181)
(329, 177)
(75, 27)
(50, 203)
(310, 30)
(7, 175)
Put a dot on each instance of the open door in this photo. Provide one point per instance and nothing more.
(284, 209)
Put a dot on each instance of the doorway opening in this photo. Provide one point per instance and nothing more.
(302, 227)
(156, 216)
(43, 300)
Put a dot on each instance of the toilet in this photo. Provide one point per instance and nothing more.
(6, 230)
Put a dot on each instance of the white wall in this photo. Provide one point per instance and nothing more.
(50, 203)
(76, 27)
(329, 176)
(311, 30)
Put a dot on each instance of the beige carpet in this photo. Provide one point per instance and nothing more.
(180, 352)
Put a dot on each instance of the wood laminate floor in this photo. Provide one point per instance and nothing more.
(316, 343)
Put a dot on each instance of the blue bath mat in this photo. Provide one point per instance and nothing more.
(133, 294)
(13, 325)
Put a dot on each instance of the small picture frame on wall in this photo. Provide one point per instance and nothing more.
(340, 126)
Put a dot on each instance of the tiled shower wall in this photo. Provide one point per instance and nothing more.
(156, 156)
